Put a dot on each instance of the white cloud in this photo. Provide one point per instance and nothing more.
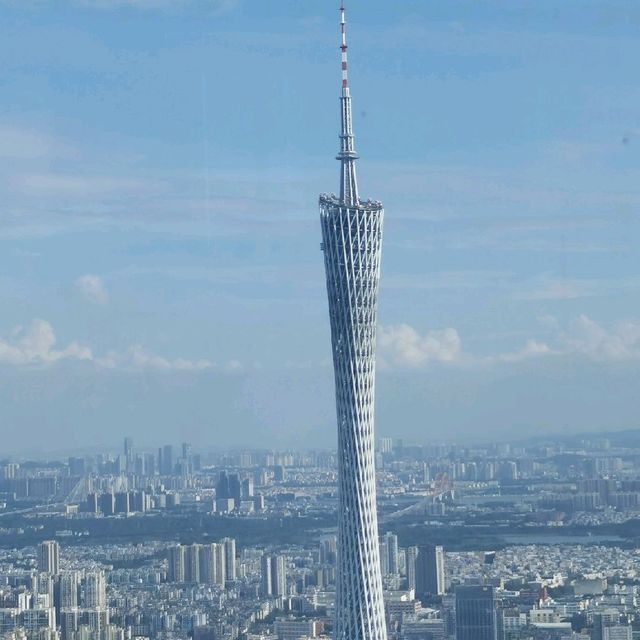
(137, 358)
(586, 337)
(92, 288)
(582, 337)
(403, 346)
(35, 345)
(400, 347)
(532, 349)
(557, 290)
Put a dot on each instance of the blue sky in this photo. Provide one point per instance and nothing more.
(160, 271)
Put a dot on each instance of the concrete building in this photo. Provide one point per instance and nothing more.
(429, 571)
(476, 615)
(49, 557)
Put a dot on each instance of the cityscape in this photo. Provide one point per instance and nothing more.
(506, 540)
(484, 525)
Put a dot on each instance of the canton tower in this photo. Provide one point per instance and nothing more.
(352, 238)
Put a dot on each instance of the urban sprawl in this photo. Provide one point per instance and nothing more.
(498, 541)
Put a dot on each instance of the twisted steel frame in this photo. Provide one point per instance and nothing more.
(352, 242)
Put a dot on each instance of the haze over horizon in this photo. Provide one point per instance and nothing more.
(160, 270)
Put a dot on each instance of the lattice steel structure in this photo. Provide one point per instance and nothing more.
(352, 238)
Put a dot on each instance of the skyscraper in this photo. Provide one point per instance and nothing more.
(95, 593)
(166, 465)
(386, 445)
(68, 590)
(230, 558)
(211, 564)
(429, 571)
(265, 575)
(412, 557)
(198, 563)
(273, 575)
(278, 576)
(177, 563)
(192, 564)
(221, 563)
(49, 557)
(68, 623)
(128, 449)
(476, 617)
(384, 558)
(352, 238)
(392, 552)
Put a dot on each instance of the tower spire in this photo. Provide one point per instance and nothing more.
(347, 155)
(343, 48)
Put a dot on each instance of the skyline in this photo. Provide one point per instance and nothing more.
(180, 544)
(510, 289)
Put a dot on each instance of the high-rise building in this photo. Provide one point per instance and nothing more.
(476, 615)
(207, 564)
(122, 503)
(68, 623)
(221, 564)
(212, 564)
(198, 563)
(265, 575)
(391, 540)
(95, 593)
(429, 571)
(128, 450)
(328, 550)
(411, 558)
(77, 467)
(247, 489)
(45, 589)
(68, 590)
(607, 626)
(166, 462)
(108, 503)
(235, 488)
(352, 242)
(273, 575)
(384, 557)
(278, 576)
(96, 619)
(177, 562)
(149, 464)
(229, 558)
(49, 557)
(192, 563)
(386, 445)
(222, 486)
(618, 632)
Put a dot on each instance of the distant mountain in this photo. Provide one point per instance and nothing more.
(626, 438)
